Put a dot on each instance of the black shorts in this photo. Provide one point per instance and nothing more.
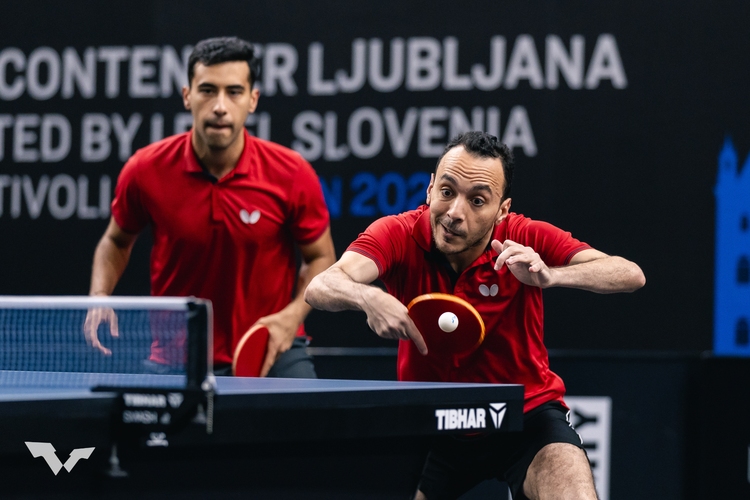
(455, 464)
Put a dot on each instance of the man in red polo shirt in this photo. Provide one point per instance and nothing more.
(466, 242)
(226, 210)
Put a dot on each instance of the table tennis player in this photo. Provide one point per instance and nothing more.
(226, 211)
(465, 241)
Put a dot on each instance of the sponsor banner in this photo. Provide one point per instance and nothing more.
(591, 417)
(452, 419)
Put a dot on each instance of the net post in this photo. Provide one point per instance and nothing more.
(199, 342)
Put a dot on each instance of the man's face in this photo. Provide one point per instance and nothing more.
(220, 98)
(465, 198)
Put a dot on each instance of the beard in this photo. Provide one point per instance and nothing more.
(216, 141)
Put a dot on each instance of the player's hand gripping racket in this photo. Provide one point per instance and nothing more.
(449, 324)
(250, 352)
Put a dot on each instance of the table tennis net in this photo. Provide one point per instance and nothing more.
(44, 336)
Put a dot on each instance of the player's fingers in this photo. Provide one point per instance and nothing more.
(269, 361)
(519, 254)
(103, 350)
(114, 329)
(520, 257)
(417, 338)
(98, 345)
(394, 332)
(534, 261)
(382, 328)
(535, 267)
(507, 256)
(90, 331)
(499, 262)
(501, 258)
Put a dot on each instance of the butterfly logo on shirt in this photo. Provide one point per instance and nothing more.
(249, 217)
(490, 291)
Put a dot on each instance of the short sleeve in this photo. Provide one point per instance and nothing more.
(555, 246)
(383, 242)
(127, 207)
(309, 212)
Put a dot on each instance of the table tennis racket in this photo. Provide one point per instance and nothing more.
(250, 352)
(426, 311)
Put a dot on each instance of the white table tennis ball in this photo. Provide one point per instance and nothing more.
(448, 322)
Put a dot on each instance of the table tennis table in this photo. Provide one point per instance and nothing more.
(259, 438)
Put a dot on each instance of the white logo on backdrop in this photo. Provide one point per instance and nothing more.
(47, 451)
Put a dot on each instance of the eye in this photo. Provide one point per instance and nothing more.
(477, 202)
(446, 192)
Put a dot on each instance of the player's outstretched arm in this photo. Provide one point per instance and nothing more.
(110, 259)
(598, 272)
(346, 286)
(590, 269)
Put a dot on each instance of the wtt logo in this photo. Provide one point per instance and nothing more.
(47, 452)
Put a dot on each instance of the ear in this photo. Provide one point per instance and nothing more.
(504, 210)
(185, 95)
(429, 187)
(254, 96)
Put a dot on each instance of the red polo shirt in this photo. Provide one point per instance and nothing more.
(229, 240)
(513, 350)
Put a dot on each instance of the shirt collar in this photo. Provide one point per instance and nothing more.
(192, 165)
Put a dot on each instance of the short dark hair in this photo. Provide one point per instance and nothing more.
(484, 145)
(224, 49)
